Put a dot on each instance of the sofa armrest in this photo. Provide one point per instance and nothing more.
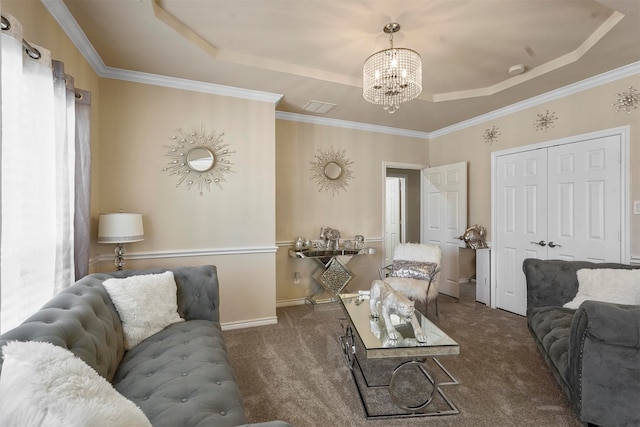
(604, 361)
(613, 324)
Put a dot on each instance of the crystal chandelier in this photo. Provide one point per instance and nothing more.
(392, 76)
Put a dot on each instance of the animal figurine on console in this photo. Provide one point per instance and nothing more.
(392, 302)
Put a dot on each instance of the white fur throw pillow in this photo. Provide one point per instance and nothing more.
(422, 252)
(146, 304)
(42, 384)
(607, 285)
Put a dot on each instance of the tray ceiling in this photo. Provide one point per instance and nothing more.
(315, 49)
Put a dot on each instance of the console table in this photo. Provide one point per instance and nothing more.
(334, 275)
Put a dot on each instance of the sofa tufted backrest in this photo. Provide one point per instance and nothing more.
(554, 282)
(83, 319)
(198, 292)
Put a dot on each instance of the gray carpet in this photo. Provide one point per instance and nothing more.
(295, 371)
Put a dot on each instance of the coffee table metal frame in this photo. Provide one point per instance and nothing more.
(356, 307)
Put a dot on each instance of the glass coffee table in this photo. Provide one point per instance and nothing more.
(396, 378)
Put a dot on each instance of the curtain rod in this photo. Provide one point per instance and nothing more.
(31, 51)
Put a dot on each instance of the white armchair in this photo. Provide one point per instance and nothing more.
(415, 272)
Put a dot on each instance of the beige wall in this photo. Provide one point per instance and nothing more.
(270, 199)
(232, 227)
(301, 209)
(580, 113)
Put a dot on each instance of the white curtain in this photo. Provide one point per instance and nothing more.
(64, 121)
(37, 191)
(82, 217)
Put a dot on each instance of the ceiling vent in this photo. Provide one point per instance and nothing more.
(319, 107)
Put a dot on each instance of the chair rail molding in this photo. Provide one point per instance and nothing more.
(190, 253)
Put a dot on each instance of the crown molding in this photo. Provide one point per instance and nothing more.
(65, 19)
(68, 23)
(295, 117)
(191, 85)
(70, 26)
(601, 79)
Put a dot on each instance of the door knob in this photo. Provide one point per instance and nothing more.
(541, 243)
(554, 245)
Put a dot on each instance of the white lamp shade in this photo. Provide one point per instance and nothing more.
(120, 227)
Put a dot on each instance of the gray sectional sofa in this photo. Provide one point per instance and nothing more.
(593, 352)
(180, 376)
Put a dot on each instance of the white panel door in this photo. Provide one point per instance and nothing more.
(392, 218)
(445, 218)
(557, 202)
(521, 223)
(584, 200)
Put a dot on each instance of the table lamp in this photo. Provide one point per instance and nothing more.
(120, 228)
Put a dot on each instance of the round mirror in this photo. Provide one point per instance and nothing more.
(200, 159)
(332, 170)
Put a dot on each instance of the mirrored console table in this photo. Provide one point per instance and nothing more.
(333, 274)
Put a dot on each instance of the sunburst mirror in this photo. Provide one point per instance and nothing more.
(331, 170)
(198, 158)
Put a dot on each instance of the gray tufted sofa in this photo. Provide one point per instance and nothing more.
(593, 352)
(180, 376)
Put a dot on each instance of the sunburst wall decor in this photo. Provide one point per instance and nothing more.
(545, 121)
(627, 101)
(491, 135)
(332, 171)
(198, 158)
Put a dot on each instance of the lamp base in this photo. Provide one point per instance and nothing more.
(119, 252)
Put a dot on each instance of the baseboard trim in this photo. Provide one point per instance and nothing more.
(228, 326)
(290, 302)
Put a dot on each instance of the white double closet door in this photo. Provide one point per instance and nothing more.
(555, 202)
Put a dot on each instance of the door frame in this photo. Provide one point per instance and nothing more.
(401, 206)
(623, 133)
(394, 165)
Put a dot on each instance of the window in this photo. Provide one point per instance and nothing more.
(44, 151)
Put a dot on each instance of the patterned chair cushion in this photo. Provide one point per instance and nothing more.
(413, 269)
